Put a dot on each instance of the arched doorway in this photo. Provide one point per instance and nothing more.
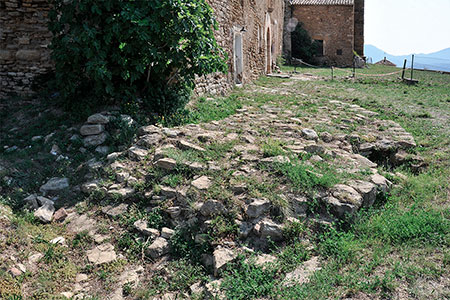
(268, 52)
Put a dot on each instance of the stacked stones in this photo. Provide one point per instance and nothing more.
(44, 206)
(94, 132)
(24, 37)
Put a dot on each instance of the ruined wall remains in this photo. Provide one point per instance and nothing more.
(334, 25)
(24, 38)
(249, 30)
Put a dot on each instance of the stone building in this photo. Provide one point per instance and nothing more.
(336, 25)
(249, 30)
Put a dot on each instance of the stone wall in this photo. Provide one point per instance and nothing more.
(23, 44)
(359, 27)
(334, 25)
(258, 24)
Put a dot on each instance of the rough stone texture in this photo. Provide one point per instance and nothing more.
(340, 27)
(98, 119)
(221, 257)
(45, 213)
(309, 134)
(261, 41)
(92, 129)
(141, 226)
(60, 215)
(166, 163)
(54, 185)
(102, 254)
(303, 273)
(202, 183)
(258, 208)
(24, 38)
(269, 229)
(158, 248)
(212, 207)
(95, 140)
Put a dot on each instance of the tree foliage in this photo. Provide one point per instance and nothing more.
(122, 51)
(303, 47)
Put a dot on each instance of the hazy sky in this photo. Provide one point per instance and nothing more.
(408, 26)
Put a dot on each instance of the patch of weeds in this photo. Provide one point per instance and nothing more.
(293, 231)
(216, 151)
(412, 226)
(205, 110)
(304, 178)
(183, 245)
(81, 240)
(292, 256)
(272, 148)
(122, 132)
(131, 244)
(223, 227)
(244, 280)
(153, 217)
(183, 274)
(265, 189)
(341, 246)
(53, 253)
(173, 180)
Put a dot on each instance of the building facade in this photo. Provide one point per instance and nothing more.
(250, 31)
(336, 25)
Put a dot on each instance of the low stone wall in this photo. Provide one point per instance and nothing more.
(24, 38)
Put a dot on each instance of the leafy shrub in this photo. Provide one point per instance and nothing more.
(122, 52)
(303, 46)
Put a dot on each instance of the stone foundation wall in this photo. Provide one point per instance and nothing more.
(334, 24)
(24, 38)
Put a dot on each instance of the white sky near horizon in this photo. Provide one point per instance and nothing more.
(401, 27)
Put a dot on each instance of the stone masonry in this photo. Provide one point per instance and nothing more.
(338, 23)
(24, 38)
(251, 33)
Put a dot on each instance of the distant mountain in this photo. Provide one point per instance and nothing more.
(439, 61)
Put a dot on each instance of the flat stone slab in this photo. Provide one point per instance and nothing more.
(202, 183)
(102, 254)
(302, 274)
(55, 184)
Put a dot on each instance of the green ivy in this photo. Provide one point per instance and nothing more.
(122, 52)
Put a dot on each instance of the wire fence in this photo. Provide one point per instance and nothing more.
(353, 73)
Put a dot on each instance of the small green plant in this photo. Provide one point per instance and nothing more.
(223, 227)
(272, 148)
(81, 240)
(183, 245)
(243, 280)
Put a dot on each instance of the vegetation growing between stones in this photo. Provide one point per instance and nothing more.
(399, 246)
(139, 54)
